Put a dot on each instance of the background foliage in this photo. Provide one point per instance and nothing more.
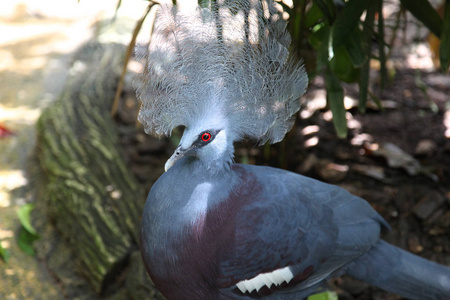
(338, 39)
(345, 35)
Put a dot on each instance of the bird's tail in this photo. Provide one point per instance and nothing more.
(395, 270)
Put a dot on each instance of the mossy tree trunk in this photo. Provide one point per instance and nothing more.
(92, 198)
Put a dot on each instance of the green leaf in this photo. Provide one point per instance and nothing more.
(381, 43)
(425, 13)
(347, 20)
(319, 36)
(444, 51)
(363, 86)
(365, 69)
(25, 241)
(356, 49)
(377, 101)
(313, 15)
(24, 213)
(27, 234)
(335, 99)
(4, 254)
(324, 296)
(318, 39)
(341, 65)
(327, 9)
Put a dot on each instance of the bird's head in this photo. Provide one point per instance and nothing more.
(209, 142)
(221, 85)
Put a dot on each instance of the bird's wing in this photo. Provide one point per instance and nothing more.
(294, 230)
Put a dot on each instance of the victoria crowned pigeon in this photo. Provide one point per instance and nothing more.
(215, 229)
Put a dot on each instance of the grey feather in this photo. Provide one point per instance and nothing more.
(230, 62)
(408, 275)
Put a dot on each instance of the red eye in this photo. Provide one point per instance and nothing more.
(206, 136)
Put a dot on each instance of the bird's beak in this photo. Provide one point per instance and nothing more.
(179, 153)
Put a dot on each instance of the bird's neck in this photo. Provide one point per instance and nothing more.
(220, 164)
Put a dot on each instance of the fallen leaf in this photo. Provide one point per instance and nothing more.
(330, 171)
(370, 171)
(4, 131)
(425, 147)
(397, 158)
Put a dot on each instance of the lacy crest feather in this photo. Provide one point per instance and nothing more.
(232, 61)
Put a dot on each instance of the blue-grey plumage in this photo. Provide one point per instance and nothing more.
(205, 231)
(213, 229)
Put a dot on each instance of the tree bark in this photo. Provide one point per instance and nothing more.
(92, 198)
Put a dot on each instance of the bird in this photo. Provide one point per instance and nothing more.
(215, 229)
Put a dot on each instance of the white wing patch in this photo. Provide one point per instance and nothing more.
(276, 277)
